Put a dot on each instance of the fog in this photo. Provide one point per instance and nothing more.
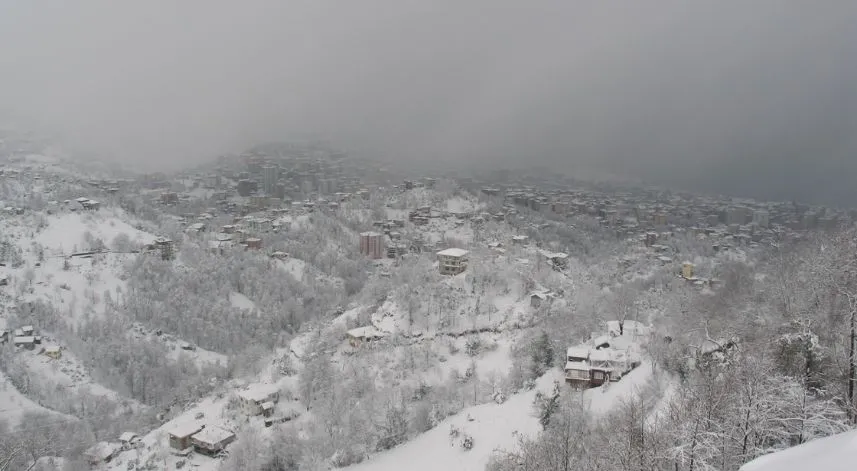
(754, 98)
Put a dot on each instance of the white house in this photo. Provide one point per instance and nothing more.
(211, 440)
(361, 335)
(259, 399)
(452, 261)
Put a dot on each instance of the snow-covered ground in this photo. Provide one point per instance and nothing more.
(494, 427)
(13, 404)
(834, 453)
(68, 372)
(66, 233)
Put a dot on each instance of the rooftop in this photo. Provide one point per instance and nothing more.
(453, 253)
(258, 392)
(212, 435)
(365, 332)
(577, 365)
(185, 430)
(578, 352)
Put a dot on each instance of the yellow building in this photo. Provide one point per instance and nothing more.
(687, 270)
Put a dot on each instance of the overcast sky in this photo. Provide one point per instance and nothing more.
(756, 97)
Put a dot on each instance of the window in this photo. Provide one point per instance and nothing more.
(598, 375)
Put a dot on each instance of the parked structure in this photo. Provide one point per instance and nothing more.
(452, 261)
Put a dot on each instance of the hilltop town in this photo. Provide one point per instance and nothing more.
(298, 306)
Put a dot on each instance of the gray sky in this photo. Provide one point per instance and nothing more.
(756, 97)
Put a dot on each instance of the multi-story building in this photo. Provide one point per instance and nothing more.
(452, 261)
(270, 175)
(372, 245)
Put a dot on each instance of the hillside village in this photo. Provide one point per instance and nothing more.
(297, 308)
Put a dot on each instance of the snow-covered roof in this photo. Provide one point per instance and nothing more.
(127, 437)
(52, 349)
(602, 355)
(185, 430)
(577, 365)
(24, 339)
(258, 392)
(365, 332)
(834, 453)
(454, 252)
(370, 234)
(212, 435)
(578, 352)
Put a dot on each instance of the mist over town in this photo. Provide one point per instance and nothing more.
(385, 235)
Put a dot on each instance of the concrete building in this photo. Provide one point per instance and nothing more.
(452, 261)
(259, 399)
(211, 440)
(762, 218)
(372, 245)
(737, 215)
(180, 436)
(246, 187)
(270, 175)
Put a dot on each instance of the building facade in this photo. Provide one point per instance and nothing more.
(372, 245)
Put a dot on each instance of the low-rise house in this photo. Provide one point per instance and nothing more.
(259, 399)
(539, 297)
(253, 243)
(598, 362)
(577, 369)
(452, 261)
(129, 440)
(362, 335)
(25, 341)
(101, 452)
(53, 351)
(211, 440)
(180, 436)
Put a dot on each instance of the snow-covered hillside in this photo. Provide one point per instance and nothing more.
(493, 428)
(834, 453)
(68, 233)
